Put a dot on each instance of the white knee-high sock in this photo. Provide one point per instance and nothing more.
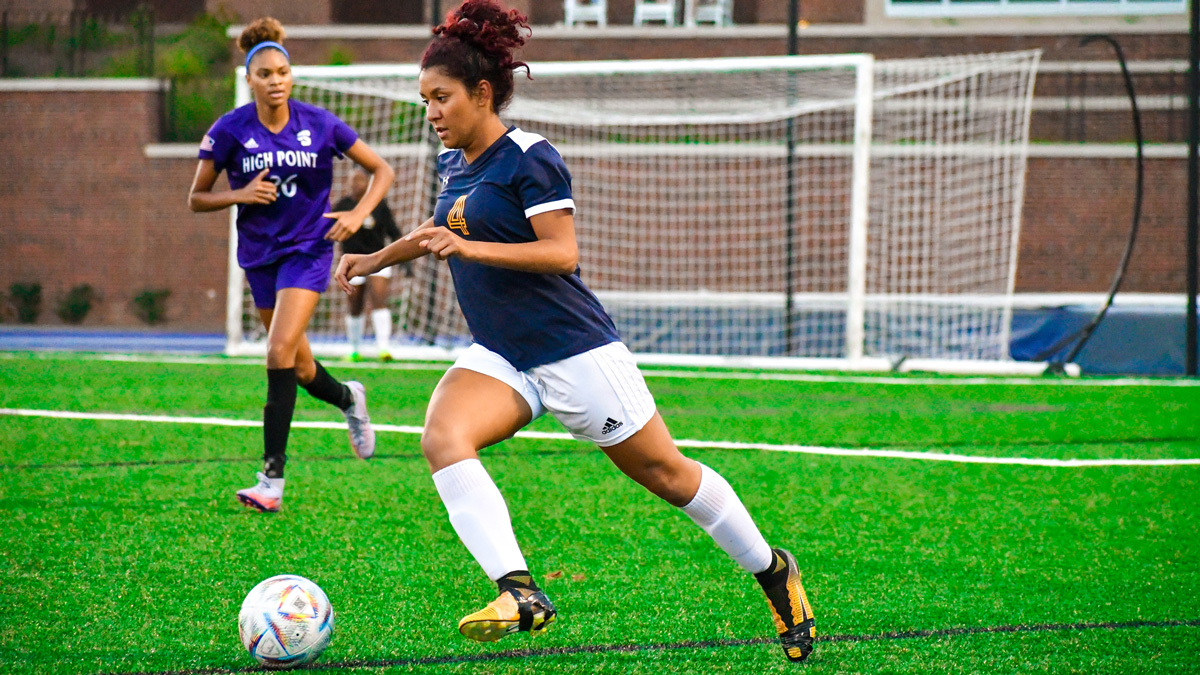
(717, 509)
(354, 330)
(381, 320)
(480, 517)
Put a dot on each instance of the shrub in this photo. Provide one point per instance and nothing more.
(151, 305)
(340, 56)
(27, 298)
(76, 304)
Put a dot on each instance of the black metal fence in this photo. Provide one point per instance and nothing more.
(77, 43)
(193, 59)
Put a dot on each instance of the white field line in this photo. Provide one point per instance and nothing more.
(928, 381)
(683, 374)
(213, 361)
(686, 443)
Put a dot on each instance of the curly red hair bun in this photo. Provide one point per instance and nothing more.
(476, 43)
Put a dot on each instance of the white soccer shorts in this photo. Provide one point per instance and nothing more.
(599, 395)
(385, 273)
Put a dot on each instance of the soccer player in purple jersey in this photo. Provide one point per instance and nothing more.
(504, 222)
(278, 155)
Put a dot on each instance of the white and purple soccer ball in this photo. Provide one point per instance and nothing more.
(286, 621)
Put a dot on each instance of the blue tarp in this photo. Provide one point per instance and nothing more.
(1141, 340)
(1132, 340)
(95, 340)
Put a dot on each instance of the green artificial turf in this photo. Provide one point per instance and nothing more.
(123, 550)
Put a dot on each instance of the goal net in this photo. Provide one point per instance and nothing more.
(752, 210)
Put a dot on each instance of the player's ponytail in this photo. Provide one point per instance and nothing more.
(476, 43)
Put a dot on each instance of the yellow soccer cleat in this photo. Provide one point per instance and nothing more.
(517, 609)
(789, 606)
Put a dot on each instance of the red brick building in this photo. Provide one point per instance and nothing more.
(90, 196)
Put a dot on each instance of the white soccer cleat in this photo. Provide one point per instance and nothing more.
(358, 422)
(264, 496)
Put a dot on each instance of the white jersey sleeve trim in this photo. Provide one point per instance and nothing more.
(525, 139)
(550, 206)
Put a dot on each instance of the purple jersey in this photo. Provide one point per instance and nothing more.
(300, 158)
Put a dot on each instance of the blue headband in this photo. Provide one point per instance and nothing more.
(265, 45)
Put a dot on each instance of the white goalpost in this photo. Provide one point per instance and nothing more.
(821, 212)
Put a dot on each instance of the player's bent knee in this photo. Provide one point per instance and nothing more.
(281, 356)
(430, 444)
(442, 447)
(306, 370)
(665, 481)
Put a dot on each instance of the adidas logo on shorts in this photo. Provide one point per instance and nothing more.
(610, 425)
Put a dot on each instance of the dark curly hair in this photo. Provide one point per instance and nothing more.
(476, 43)
(266, 29)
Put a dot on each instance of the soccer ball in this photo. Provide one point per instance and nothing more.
(286, 621)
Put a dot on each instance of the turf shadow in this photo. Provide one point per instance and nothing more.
(242, 460)
(687, 644)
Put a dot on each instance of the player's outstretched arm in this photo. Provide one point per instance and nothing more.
(554, 252)
(346, 223)
(353, 265)
(202, 198)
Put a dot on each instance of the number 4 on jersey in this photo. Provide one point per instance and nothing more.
(457, 220)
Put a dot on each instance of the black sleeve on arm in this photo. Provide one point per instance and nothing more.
(384, 214)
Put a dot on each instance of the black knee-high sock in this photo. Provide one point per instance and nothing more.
(324, 388)
(277, 419)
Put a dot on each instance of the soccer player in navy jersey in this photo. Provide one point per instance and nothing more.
(542, 342)
(278, 156)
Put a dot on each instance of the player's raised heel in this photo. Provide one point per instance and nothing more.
(797, 641)
(514, 611)
(263, 497)
(789, 606)
(358, 422)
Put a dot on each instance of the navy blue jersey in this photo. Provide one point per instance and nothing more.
(300, 158)
(530, 319)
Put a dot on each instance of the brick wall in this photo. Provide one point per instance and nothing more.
(620, 12)
(39, 6)
(287, 11)
(89, 207)
(1076, 222)
(813, 11)
(561, 45)
(82, 204)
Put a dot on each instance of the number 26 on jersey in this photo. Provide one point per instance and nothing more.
(286, 186)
